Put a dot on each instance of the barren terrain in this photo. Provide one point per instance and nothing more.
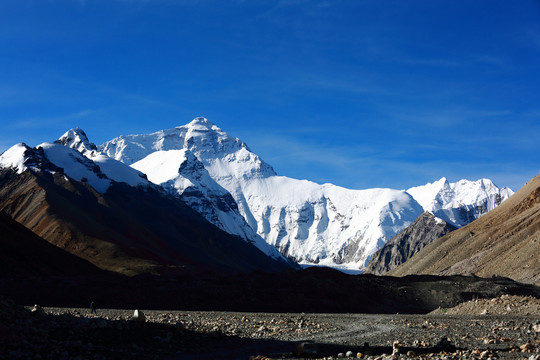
(73, 333)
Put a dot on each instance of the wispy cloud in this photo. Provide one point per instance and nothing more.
(430, 62)
(47, 122)
(445, 117)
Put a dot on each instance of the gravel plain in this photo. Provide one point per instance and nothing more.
(71, 333)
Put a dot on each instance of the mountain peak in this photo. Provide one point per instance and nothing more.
(201, 122)
(442, 180)
(77, 140)
(14, 157)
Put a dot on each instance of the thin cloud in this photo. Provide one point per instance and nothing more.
(46, 122)
(430, 62)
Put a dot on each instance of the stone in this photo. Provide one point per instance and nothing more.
(536, 328)
(37, 310)
(349, 354)
(139, 316)
(395, 348)
(484, 354)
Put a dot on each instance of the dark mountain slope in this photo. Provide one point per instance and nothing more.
(24, 253)
(424, 230)
(504, 242)
(128, 230)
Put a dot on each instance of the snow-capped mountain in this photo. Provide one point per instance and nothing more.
(461, 202)
(53, 157)
(77, 140)
(221, 178)
(176, 171)
(307, 222)
(109, 213)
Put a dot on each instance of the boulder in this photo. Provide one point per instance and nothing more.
(139, 316)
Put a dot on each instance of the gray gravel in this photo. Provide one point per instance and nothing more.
(228, 335)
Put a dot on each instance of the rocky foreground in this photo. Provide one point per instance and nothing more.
(459, 333)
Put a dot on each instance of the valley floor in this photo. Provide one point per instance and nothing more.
(69, 333)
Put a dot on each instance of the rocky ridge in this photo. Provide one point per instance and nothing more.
(425, 229)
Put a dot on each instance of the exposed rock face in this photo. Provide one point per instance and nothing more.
(408, 242)
(504, 242)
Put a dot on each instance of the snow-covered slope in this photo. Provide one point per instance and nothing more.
(180, 172)
(97, 172)
(327, 224)
(16, 158)
(77, 140)
(461, 202)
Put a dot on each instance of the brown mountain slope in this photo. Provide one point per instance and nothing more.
(127, 230)
(504, 242)
(24, 253)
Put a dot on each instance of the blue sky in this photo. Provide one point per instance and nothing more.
(358, 93)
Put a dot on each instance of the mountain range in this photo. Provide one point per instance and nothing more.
(309, 223)
(217, 175)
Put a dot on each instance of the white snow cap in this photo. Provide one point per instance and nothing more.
(77, 140)
(201, 122)
(14, 157)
